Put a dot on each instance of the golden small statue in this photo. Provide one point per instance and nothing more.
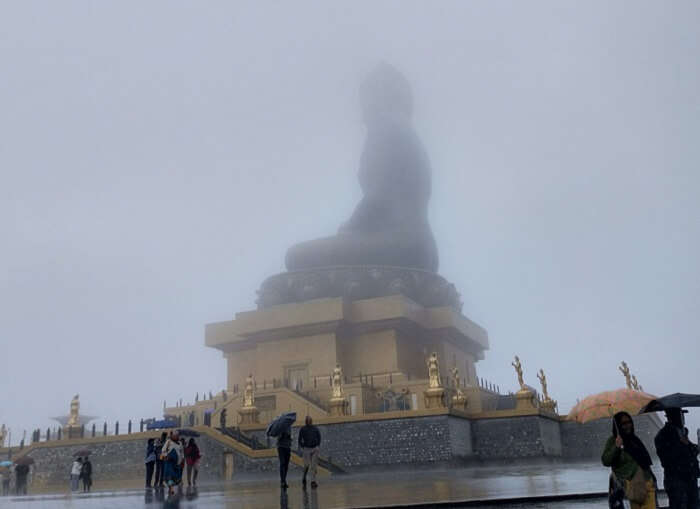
(543, 381)
(74, 419)
(433, 371)
(337, 382)
(3, 434)
(455, 381)
(519, 370)
(635, 383)
(625, 370)
(249, 392)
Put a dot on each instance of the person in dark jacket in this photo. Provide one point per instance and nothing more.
(284, 452)
(86, 474)
(150, 460)
(309, 443)
(158, 449)
(679, 457)
(625, 453)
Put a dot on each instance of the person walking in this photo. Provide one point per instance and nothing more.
(310, 443)
(679, 458)
(86, 474)
(158, 448)
(284, 453)
(630, 462)
(192, 456)
(150, 460)
(75, 473)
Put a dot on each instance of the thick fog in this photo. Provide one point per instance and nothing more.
(158, 158)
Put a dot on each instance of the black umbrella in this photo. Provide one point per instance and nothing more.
(24, 460)
(188, 432)
(281, 424)
(677, 400)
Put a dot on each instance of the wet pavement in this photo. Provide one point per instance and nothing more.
(385, 489)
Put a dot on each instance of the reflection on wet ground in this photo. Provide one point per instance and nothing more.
(364, 490)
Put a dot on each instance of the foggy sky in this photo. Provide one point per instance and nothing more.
(157, 159)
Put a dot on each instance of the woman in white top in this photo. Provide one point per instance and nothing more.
(75, 474)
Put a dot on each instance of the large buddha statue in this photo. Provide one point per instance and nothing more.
(390, 224)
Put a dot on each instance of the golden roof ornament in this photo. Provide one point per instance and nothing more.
(519, 371)
(625, 370)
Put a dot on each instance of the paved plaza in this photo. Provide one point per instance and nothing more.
(445, 488)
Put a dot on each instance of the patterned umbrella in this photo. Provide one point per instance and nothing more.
(606, 404)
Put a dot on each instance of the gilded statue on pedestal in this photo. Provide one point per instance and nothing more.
(543, 381)
(74, 419)
(433, 371)
(337, 382)
(625, 370)
(519, 370)
(249, 392)
(455, 380)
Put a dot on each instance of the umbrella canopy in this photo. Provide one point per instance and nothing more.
(606, 404)
(82, 452)
(5, 463)
(184, 432)
(164, 423)
(24, 460)
(281, 424)
(677, 400)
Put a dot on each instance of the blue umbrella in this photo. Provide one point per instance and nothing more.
(5, 463)
(164, 423)
(281, 424)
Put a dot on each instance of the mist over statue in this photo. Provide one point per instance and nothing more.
(389, 226)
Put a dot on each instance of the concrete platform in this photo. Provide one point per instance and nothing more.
(572, 486)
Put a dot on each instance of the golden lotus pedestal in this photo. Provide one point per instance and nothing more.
(337, 407)
(249, 415)
(525, 400)
(72, 431)
(459, 403)
(434, 397)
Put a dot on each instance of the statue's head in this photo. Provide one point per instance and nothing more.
(385, 92)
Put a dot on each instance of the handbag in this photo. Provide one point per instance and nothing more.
(636, 488)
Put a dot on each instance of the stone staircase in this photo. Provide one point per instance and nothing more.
(255, 444)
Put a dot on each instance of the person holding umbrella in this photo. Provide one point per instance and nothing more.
(629, 459)
(86, 474)
(281, 427)
(679, 457)
(21, 474)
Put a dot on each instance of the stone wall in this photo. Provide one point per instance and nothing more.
(403, 441)
(516, 437)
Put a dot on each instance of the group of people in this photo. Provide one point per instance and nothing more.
(632, 478)
(81, 470)
(21, 477)
(167, 457)
(309, 444)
